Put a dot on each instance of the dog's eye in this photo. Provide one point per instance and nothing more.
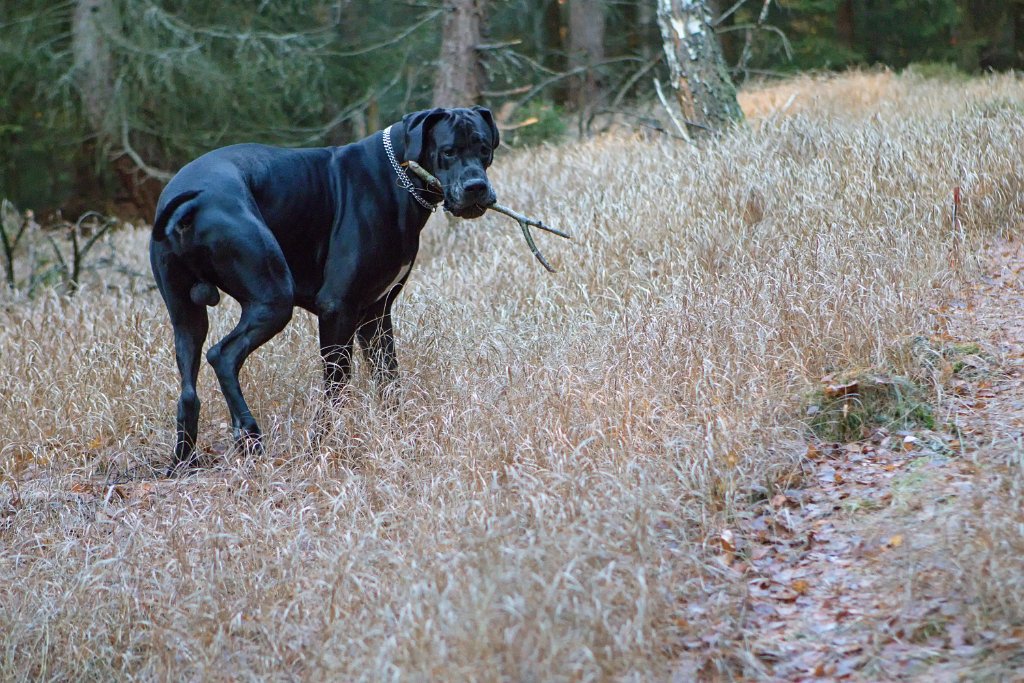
(448, 153)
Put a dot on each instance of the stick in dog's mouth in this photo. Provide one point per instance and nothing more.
(524, 221)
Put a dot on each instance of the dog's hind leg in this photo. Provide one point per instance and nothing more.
(252, 270)
(190, 323)
(260, 320)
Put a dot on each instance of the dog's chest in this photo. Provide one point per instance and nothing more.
(402, 272)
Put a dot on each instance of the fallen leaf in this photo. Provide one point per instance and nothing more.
(812, 452)
(727, 542)
(837, 390)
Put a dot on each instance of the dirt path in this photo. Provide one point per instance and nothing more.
(848, 578)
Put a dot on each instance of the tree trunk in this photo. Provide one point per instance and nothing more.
(644, 21)
(92, 24)
(728, 39)
(586, 49)
(845, 27)
(1018, 34)
(460, 74)
(700, 76)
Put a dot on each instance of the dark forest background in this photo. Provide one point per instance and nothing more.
(101, 99)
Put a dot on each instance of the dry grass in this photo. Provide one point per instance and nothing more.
(540, 508)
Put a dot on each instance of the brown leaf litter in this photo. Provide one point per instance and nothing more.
(849, 577)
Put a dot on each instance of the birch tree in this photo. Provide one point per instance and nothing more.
(700, 76)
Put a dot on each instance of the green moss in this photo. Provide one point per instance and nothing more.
(848, 407)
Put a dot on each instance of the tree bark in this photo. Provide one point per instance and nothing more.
(586, 49)
(1018, 34)
(93, 21)
(92, 25)
(700, 76)
(460, 74)
(845, 27)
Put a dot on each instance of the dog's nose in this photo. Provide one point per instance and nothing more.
(476, 188)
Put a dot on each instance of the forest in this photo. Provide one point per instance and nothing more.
(94, 114)
(761, 418)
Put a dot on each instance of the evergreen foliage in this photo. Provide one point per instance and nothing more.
(188, 76)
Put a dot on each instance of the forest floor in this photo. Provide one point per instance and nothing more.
(599, 475)
(859, 574)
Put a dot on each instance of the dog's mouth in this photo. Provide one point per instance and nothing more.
(470, 206)
(469, 212)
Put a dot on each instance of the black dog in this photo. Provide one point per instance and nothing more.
(334, 230)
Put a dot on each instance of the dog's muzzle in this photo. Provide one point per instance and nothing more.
(474, 199)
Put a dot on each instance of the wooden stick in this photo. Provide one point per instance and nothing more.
(424, 175)
(524, 221)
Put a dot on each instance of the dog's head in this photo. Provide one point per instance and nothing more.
(456, 146)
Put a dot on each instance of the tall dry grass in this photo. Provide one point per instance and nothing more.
(541, 506)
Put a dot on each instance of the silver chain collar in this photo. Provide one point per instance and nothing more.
(403, 177)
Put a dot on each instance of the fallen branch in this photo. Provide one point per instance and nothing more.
(668, 110)
(524, 221)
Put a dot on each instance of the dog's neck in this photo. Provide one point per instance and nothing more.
(404, 181)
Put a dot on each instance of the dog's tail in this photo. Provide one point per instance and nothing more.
(163, 219)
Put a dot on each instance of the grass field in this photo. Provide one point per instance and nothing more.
(546, 503)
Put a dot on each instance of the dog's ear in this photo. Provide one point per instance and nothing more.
(417, 127)
(488, 118)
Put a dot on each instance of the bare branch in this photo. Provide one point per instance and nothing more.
(567, 74)
(631, 81)
(391, 41)
(497, 46)
(728, 13)
(528, 221)
(671, 114)
(127, 149)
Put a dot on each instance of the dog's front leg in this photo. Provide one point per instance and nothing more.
(337, 329)
(377, 339)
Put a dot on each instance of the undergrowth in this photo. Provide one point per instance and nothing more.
(541, 505)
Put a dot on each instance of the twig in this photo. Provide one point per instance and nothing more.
(497, 46)
(525, 222)
(10, 241)
(671, 114)
(786, 45)
(567, 74)
(429, 16)
(632, 80)
(162, 176)
(748, 40)
(423, 174)
(728, 13)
